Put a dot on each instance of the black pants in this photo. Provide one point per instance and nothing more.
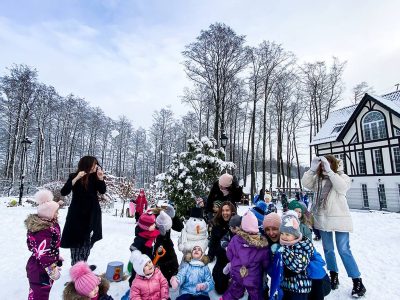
(320, 288)
(294, 296)
(82, 253)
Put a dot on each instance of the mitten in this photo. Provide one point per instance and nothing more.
(326, 165)
(174, 282)
(315, 164)
(201, 286)
(227, 269)
(170, 211)
(53, 272)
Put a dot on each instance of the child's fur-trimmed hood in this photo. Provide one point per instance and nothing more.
(255, 240)
(34, 223)
(188, 257)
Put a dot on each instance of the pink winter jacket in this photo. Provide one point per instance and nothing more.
(153, 288)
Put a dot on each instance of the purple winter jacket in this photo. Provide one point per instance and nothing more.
(249, 257)
(43, 240)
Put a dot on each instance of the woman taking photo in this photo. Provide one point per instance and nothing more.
(332, 216)
(83, 223)
(219, 230)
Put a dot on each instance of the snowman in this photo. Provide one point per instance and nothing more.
(195, 232)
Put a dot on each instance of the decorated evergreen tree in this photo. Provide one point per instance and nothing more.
(192, 173)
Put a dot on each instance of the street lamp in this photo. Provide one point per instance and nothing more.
(25, 143)
(224, 140)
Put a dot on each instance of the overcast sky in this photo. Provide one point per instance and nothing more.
(125, 56)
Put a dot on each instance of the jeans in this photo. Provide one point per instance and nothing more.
(343, 246)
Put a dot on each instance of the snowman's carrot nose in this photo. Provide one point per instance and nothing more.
(198, 229)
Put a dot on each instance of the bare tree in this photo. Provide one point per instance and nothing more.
(323, 89)
(17, 91)
(275, 60)
(214, 60)
(360, 90)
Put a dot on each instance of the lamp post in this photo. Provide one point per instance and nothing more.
(25, 143)
(224, 141)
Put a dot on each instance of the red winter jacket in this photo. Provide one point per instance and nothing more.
(141, 204)
(153, 288)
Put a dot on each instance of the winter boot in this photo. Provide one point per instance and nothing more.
(358, 288)
(334, 280)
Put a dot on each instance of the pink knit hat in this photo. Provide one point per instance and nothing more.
(46, 206)
(249, 222)
(85, 281)
(146, 220)
(225, 180)
(272, 220)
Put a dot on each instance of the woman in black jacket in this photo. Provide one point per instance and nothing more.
(219, 230)
(83, 225)
(224, 189)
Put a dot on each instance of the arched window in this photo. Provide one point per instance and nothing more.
(374, 126)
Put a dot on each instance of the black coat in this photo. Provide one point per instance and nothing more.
(169, 262)
(234, 196)
(84, 212)
(215, 250)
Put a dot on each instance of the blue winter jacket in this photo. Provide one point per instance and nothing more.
(192, 273)
(275, 271)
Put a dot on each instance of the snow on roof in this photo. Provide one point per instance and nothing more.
(395, 96)
(391, 100)
(337, 120)
(333, 125)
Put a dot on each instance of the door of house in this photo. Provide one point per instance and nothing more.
(382, 196)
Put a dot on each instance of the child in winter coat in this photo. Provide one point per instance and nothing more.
(141, 204)
(260, 210)
(296, 255)
(149, 283)
(271, 225)
(43, 240)
(145, 237)
(249, 257)
(85, 285)
(271, 207)
(300, 209)
(234, 226)
(194, 277)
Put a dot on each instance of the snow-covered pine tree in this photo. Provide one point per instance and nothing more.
(192, 173)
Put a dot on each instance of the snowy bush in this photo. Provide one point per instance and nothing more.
(192, 173)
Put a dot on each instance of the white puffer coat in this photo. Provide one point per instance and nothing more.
(336, 215)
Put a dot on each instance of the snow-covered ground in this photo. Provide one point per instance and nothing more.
(375, 243)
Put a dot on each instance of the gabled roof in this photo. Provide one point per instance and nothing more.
(340, 121)
(337, 119)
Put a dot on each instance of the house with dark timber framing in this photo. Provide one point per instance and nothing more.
(366, 137)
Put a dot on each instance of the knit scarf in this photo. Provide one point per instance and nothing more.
(287, 243)
(150, 236)
(322, 193)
